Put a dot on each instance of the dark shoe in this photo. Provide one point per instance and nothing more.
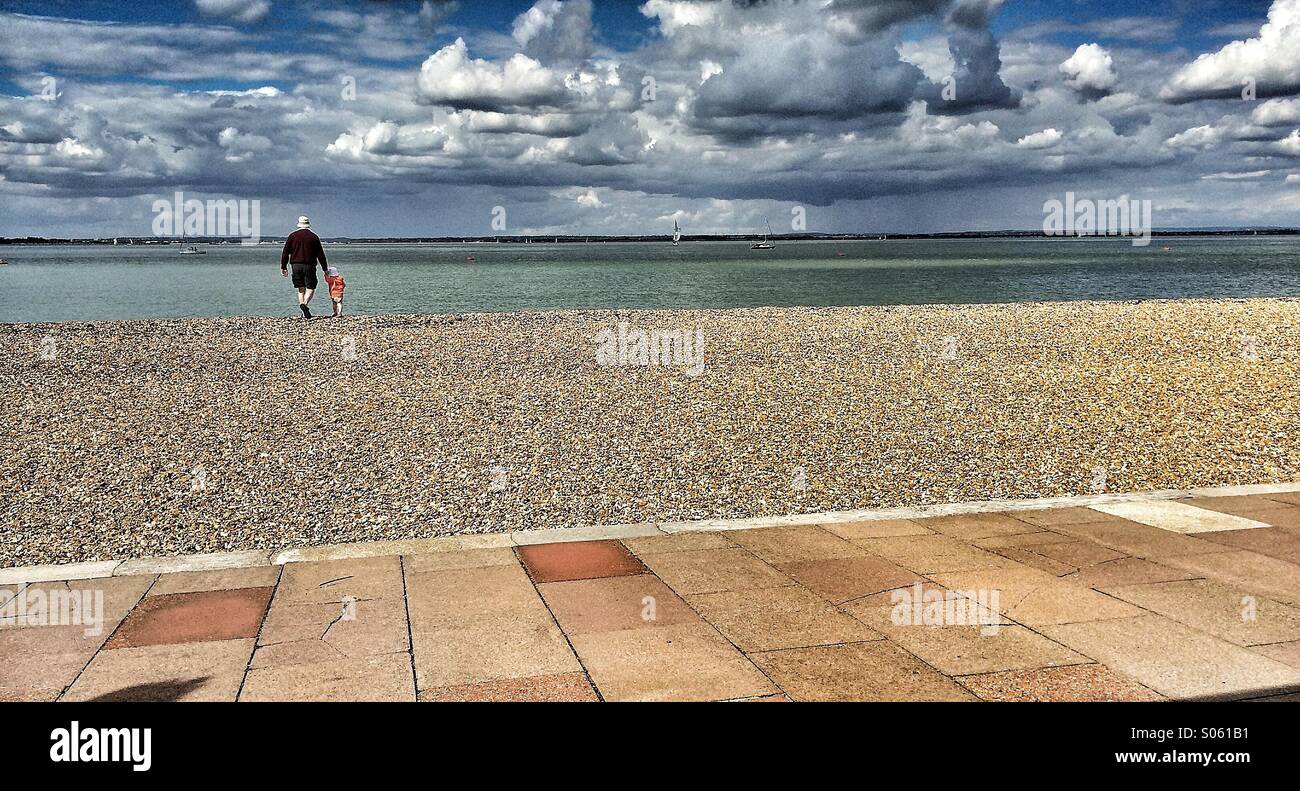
(306, 314)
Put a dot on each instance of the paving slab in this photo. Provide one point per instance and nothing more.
(712, 570)
(1022, 540)
(216, 580)
(1175, 660)
(193, 618)
(793, 544)
(1025, 556)
(615, 603)
(492, 648)
(1293, 697)
(1127, 571)
(1033, 597)
(967, 527)
(927, 603)
(1276, 542)
(842, 579)
(1250, 571)
(763, 620)
(1218, 609)
(875, 671)
(372, 678)
(1287, 653)
(678, 542)
(1079, 554)
(555, 688)
(1051, 517)
(1240, 506)
(1139, 540)
(336, 580)
(465, 559)
(1177, 516)
(683, 662)
(117, 594)
(878, 528)
(21, 694)
(932, 554)
(207, 671)
(464, 597)
(1077, 683)
(1285, 517)
(299, 652)
(293, 633)
(578, 560)
(39, 661)
(963, 650)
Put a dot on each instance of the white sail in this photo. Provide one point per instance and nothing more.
(677, 232)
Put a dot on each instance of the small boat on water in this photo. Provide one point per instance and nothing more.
(3, 262)
(192, 250)
(677, 233)
(765, 244)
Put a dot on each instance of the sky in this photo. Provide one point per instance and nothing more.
(443, 118)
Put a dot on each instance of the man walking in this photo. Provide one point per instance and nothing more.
(303, 250)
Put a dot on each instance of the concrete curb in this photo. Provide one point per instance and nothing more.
(253, 558)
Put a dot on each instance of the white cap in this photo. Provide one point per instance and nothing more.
(332, 271)
(304, 221)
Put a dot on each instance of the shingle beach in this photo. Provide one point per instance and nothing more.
(141, 438)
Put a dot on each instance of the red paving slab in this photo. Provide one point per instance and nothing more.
(578, 560)
(193, 618)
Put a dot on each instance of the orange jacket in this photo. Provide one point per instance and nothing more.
(336, 285)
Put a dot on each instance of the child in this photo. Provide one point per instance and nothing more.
(336, 284)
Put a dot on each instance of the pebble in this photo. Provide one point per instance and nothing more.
(476, 423)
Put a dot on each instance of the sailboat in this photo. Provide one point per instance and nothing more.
(765, 244)
(677, 233)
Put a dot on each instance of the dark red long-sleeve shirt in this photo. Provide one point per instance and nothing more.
(302, 247)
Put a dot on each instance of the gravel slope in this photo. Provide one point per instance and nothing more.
(127, 439)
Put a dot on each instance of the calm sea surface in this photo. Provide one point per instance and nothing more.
(71, 283)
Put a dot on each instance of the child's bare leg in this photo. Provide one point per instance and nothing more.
(338, 307)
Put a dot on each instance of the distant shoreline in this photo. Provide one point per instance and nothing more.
(686, 238)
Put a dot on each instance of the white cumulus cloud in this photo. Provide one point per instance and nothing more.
(1196, 137)
(451, 77)
(1090, 69)
(1271, 61)
(1044, 139)
(589, 200)
(1277, 112)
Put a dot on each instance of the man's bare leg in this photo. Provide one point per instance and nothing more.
(304, 296)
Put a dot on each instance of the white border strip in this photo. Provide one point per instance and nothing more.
(230, 560)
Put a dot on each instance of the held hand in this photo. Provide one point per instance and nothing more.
(284, 273)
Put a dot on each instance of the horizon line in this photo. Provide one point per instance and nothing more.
(579, 238)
